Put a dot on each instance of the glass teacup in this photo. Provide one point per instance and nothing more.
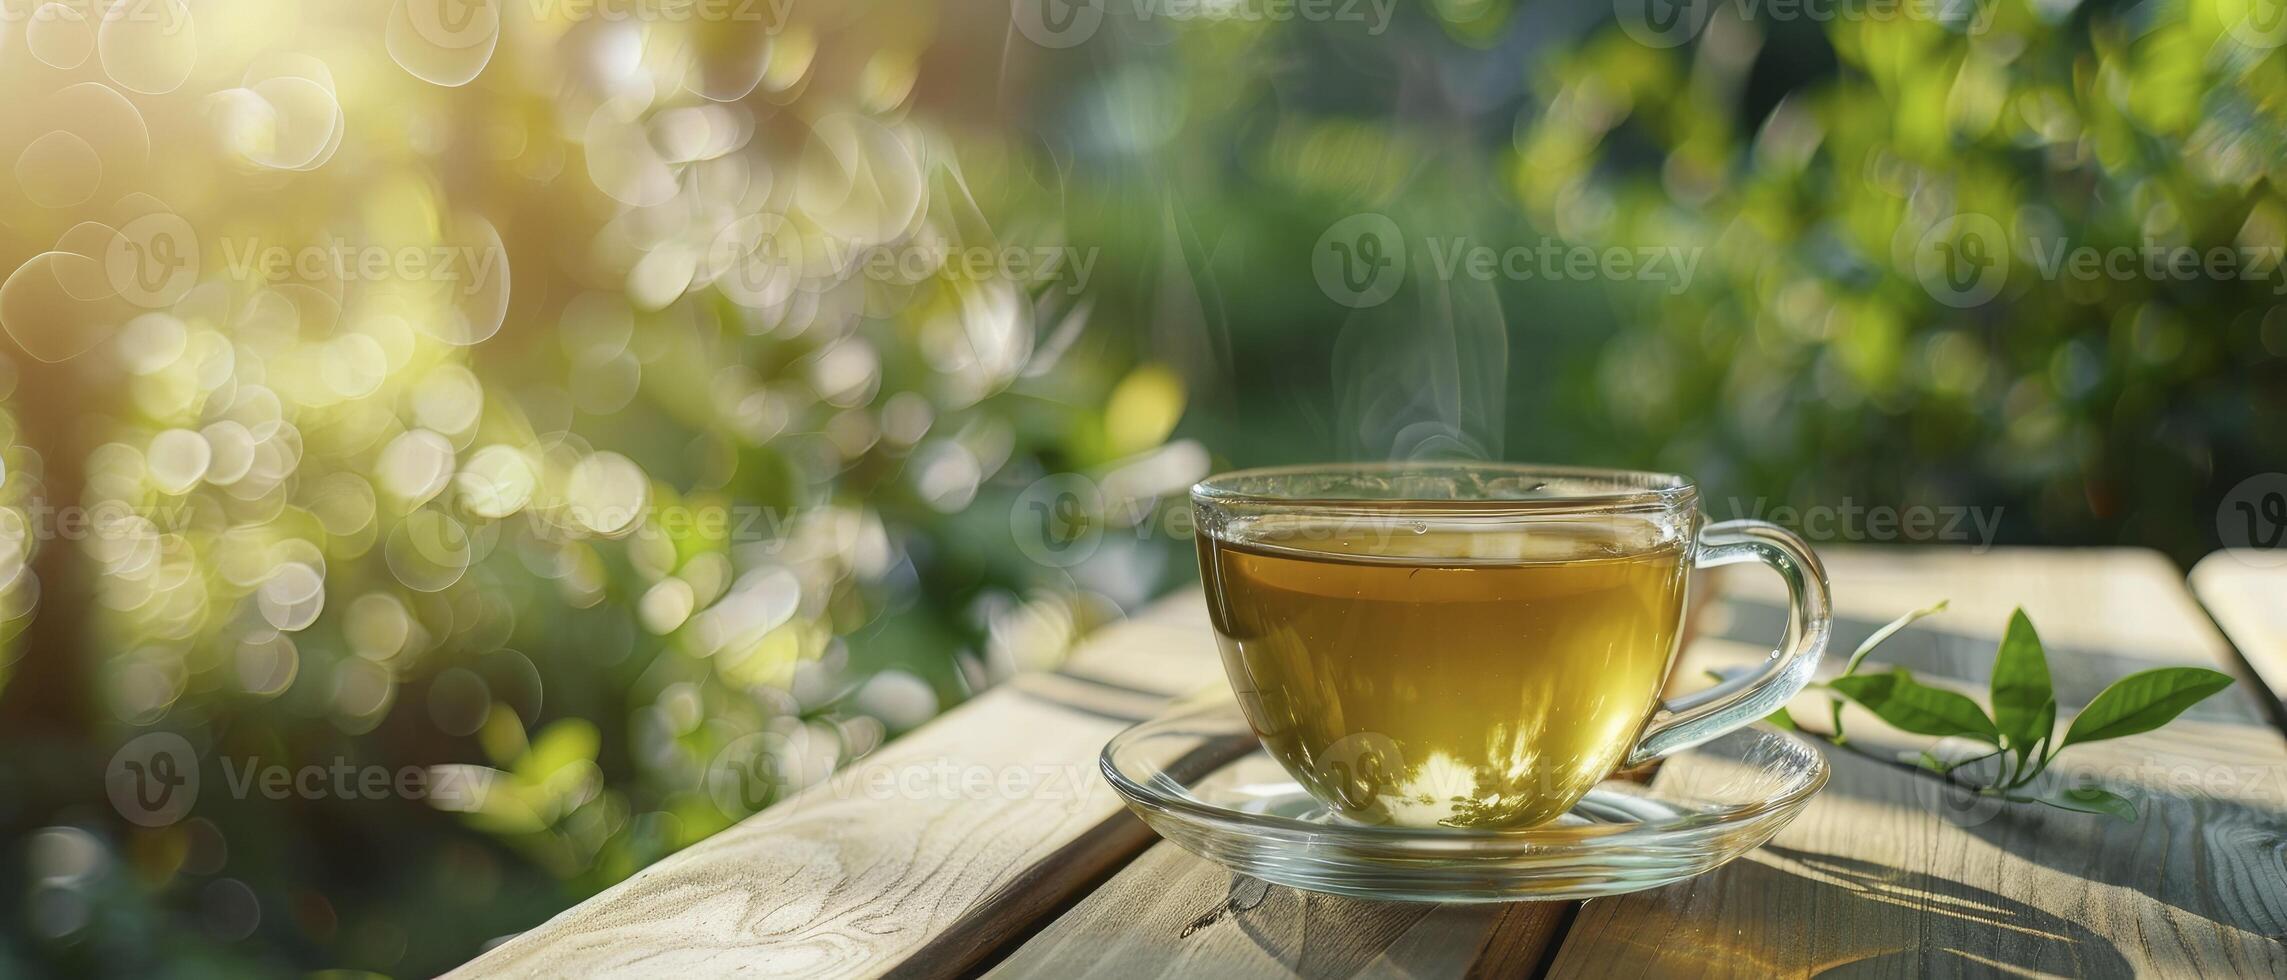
(1477, 644)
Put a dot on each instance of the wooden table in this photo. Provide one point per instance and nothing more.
(986, 842)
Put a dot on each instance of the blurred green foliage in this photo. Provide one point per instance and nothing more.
(2096, 409)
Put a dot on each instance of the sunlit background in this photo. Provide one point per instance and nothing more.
(572, 402)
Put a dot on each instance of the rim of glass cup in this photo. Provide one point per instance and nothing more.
(1622, 489)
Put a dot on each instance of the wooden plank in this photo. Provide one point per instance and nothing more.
(2246, 591)
(926, 858)
(1172, 914)
(1889, 873)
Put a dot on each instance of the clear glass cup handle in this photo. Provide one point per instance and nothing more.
(1702, 715)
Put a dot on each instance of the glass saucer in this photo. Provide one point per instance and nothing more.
(1200, 779)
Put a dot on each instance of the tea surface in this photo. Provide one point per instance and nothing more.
(1457, 678)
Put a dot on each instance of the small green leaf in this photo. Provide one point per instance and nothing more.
(1782, 720)
(2024, 706)
(1887, 632)
(2143, 701)
(2089, 799)
(1909, 706)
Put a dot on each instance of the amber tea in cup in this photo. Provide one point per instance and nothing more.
(1474, 645)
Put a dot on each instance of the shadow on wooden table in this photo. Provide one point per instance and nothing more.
(1171, 914)
(1976, 930)
(2188, 850)
(1858, 919)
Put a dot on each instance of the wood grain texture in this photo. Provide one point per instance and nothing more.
(2246, 592)
(923, 858)
(1173, 914)
(1889, 873)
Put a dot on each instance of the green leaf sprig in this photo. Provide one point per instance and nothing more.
(2021, 731)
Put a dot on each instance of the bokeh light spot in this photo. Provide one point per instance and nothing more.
(60, 36)
(442, 42)
(148, 46)
(59, 170)
(607, 493)
(428, 551)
